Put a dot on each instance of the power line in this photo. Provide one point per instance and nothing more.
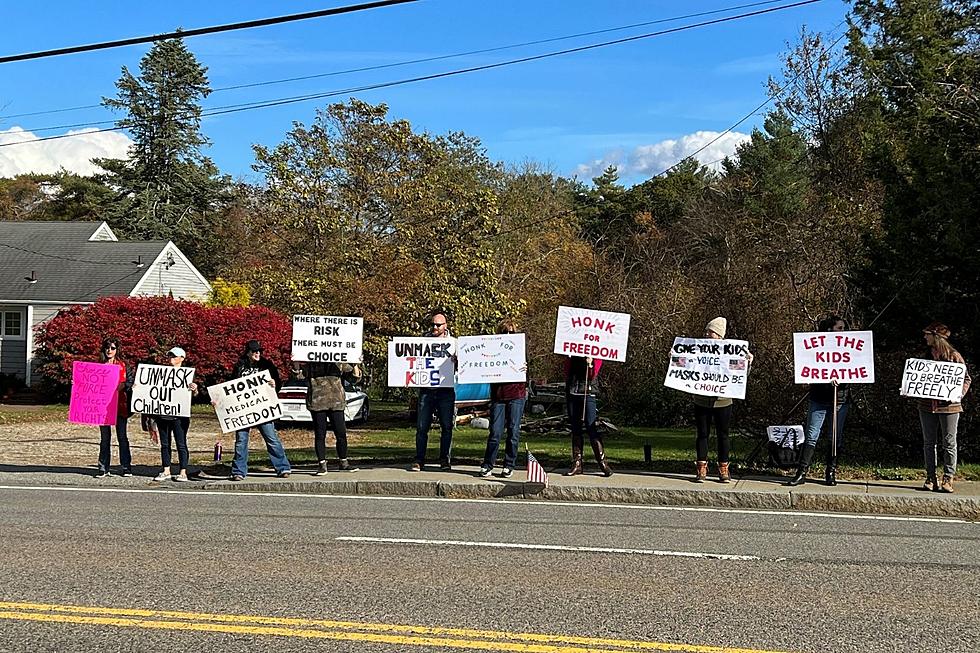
(413, 61)
(236, 108)
(64, 258)
(248, 24)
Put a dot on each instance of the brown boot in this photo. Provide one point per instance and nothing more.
(947, 484)
(931, 484)
(576, 468)
(702, 471)
(600, 457)
(723, 475)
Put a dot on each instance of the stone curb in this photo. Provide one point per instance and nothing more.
(946, 506)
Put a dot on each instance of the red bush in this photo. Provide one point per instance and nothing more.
(147, 327)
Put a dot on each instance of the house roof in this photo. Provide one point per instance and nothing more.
(67, 266)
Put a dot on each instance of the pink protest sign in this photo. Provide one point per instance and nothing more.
(94, 393)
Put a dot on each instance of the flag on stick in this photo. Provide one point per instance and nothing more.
(535, 472)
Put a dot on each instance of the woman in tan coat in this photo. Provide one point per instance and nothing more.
(326, 401)
(940, 418)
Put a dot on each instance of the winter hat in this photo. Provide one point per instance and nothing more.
(718, 325)
(177, 351)
(252, 346)
(937, 329)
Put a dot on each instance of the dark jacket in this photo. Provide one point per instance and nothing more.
(823, 393)
(246, 367)
(575, 372)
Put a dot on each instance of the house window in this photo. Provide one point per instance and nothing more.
(12, 325)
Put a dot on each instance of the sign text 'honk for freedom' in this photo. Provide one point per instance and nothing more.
(592, 334)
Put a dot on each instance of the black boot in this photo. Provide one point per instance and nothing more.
(806, 456)
(831, 474)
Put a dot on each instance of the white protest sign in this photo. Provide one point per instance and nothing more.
(327, 339)
(422, 363)
(163, 390)
(843, 356)
(590, 333)
(928, 379)
(245, 402)
(708, 367)
(786, 435)
(492, 359)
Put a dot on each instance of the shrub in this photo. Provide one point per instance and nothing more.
(147, 327)
(228, 294)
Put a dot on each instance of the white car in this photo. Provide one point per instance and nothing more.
(292, 396)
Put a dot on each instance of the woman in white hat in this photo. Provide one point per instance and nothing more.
(717, 410)
(174, 426)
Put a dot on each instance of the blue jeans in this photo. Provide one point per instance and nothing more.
(443, 401)
(503, 413)
(178, 428)
(815, 417)
(573, 404)
(105, 444)
(239, 466)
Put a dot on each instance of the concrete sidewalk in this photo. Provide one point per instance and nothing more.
(630, 487)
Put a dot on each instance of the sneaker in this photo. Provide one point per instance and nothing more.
(321, 468)
(181, 478)
(445, 466)
(236, 477)
(485, 472)
(345, 466)
(507, 473)
(127, 473)
(416, 467)
(102, 474)
(162, 476)
(284, 474)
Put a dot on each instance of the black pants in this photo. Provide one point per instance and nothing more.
(722, 418)
(105, 444)
(339, 428)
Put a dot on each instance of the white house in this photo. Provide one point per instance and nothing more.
(48, 266)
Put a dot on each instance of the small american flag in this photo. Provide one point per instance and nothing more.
(535, 472)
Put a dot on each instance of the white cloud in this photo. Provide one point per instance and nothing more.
(649, 160)
(73, 154)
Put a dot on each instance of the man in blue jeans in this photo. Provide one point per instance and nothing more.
(438, 400)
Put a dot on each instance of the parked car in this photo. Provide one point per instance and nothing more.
(292, 396)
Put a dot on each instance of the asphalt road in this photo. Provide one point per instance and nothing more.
(84, 570)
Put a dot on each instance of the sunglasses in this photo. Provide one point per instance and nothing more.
(111, 348)
(438, 324)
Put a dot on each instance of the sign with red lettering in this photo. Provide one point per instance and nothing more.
(709, 367)
(592, 334)
(828, 356)
(422, 363)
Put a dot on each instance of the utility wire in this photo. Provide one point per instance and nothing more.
(396, 64)
(248, 24)
(66, 258)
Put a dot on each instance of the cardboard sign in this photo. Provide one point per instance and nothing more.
(422, 363)
(245, 402)
(163, 390)
(708, 367)
(327, 339)
(492, 359)
(792, 436)
(589, 333)
(928, 379)
(94, 393)
(826, 356)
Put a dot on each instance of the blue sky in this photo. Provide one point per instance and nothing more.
(640, 105)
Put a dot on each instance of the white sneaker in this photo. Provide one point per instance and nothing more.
(181, 478)
(162, 476)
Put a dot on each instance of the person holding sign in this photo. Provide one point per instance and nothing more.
(252, 362)
(939, 417)
(717, 409)
(821, 404)
(440, 400)
(326, 401)
(580, 375)
(506, 410)
(110, 356)
(177, 427)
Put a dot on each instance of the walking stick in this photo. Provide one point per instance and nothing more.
(585, 397)
(833, 432)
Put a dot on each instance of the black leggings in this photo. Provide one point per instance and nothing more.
(722, 418)
(339, 424)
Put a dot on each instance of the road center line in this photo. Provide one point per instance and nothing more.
(547, 547)
(509, 502)
(427, 636)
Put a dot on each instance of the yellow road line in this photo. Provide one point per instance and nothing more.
(376, 632)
